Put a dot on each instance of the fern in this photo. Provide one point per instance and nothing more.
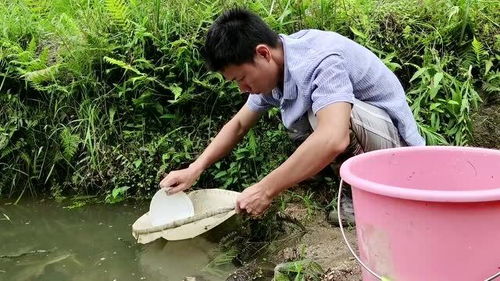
(118, 12)
(42, 75)
(69, 143)
(474, 55)
(38, 7)
(10, 149)
(123, 65)
(478, 49)
(492, 85)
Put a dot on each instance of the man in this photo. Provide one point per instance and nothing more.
(319, 80)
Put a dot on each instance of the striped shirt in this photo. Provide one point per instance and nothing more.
(322, 68)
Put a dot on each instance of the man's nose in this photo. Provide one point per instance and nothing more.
(244, 87)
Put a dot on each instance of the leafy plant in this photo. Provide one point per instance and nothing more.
(118, 11)
(97, 95)
(117, 195)
(69, 143)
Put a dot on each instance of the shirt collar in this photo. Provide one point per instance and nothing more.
(289, 87)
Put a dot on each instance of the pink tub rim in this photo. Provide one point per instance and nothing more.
(416, 194)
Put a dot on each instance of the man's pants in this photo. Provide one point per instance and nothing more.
(371, 128)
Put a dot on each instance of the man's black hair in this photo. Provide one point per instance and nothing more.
(232, 38)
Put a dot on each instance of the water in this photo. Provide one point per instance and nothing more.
(44, 241)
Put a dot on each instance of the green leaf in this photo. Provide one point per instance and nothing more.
(115, 192)
(176, 90)
(434, 106)
(358, 33)
(6, 217)
(478, 48)
(118, 11)
(418, 73)
(437, 79)
(112, 112)
(123, 65)
(118, 193)
(453, 11)
(42, 75)
(435, 85)
(487, 66)
(168, 116)
(144, 99)
(69, 143)
(220, 174)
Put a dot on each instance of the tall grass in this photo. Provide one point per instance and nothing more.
(103, 95)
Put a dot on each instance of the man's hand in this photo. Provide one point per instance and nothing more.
(226, 139)
(180, 180)
(253, 200)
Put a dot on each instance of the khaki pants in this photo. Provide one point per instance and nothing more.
(371, 128)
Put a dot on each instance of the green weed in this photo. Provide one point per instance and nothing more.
(101, 95)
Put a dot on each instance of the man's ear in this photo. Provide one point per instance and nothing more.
(264, 51)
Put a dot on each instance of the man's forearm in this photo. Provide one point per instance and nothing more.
(315, 153)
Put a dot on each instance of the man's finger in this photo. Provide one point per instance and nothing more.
(176, 188)
(239, 209)
(163, 183)
(242, 205)
(168, 182)
(172, 190)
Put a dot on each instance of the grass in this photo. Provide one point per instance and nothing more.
(99, 97)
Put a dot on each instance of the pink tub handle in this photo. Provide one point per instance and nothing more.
(493, 277)
(345, 238)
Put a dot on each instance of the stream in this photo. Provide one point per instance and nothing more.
(45, 240)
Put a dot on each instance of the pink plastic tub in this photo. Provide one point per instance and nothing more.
(427, 213)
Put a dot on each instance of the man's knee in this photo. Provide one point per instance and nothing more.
(373, 127)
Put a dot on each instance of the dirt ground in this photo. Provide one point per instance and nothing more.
(323, 243)
(486, 126)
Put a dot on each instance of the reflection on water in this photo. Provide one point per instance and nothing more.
(43, 241)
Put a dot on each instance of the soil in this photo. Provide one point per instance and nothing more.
(486, 126)
(322, 243)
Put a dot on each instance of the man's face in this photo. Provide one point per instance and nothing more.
(257, 77)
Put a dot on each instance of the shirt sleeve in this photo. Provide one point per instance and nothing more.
(331, 83)
(260, 102)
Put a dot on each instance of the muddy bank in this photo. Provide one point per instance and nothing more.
(316, 250)
(322, 243)
(486, 126)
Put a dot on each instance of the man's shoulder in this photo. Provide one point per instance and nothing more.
(311, 33)
(306, 49)
(315, 39)
(299, 34)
